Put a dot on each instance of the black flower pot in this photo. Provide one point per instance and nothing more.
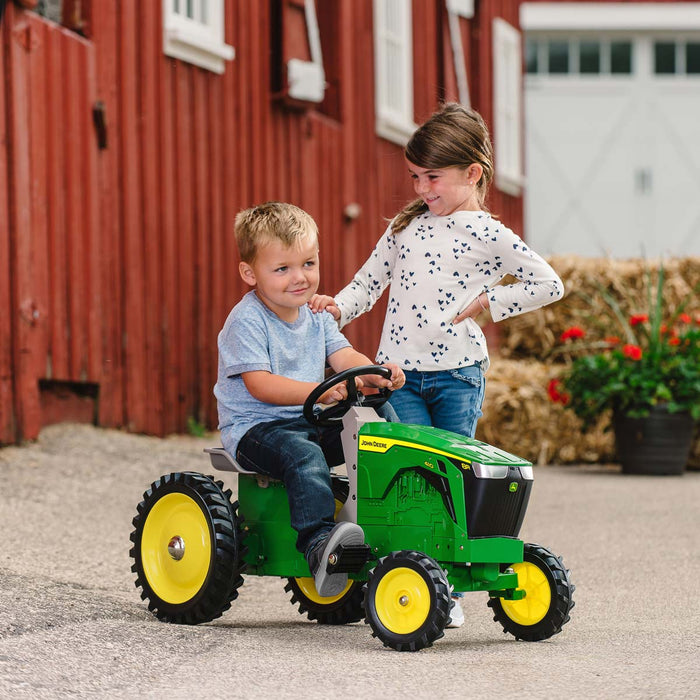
(657, 444)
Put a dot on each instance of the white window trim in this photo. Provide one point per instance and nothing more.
(462, 8)
(616, 16)
(306, 80)
(392, 124)
(194, 41)
(507, 107)
(454, 12)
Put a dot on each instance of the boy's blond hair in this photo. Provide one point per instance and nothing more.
(271, 221)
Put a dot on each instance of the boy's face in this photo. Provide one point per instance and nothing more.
(285, 278)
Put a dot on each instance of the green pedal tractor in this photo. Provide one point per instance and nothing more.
(440, 512)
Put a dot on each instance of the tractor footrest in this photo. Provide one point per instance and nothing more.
(349, 559)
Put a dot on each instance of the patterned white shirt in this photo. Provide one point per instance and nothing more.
(434, 268)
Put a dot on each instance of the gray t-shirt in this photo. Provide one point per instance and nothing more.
(254, 338)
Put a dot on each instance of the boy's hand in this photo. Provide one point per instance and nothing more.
(339, 392)
(397, 380)
(321, 302)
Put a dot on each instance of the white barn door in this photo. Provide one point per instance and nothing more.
(613, 143)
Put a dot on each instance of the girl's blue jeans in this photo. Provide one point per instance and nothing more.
(299, 454)
(447, 399)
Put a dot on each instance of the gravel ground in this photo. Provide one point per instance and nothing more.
(72, 624)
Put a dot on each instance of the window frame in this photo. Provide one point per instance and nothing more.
(395, 125)
(508, 107)
(197, 41)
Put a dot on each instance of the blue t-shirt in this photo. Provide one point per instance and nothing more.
(255, 338)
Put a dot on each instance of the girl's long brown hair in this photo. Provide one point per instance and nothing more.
(453, 137)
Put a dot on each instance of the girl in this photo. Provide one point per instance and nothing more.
(443, 257)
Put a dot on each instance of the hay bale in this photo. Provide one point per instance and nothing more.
(536, 334)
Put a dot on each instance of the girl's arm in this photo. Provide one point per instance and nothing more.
(538, 284)
(371, 280)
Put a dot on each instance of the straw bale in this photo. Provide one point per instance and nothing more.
(536, 334)
(520, 418)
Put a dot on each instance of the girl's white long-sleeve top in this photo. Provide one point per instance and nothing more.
(434, 268)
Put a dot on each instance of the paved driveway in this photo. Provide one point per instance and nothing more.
(72, 623)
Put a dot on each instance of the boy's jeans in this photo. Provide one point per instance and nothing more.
(299, 454)
(447, 399)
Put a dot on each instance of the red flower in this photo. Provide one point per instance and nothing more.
(573, 333)
(674, 341)
(612, 340)
(554, 394)
(638, 318)
(634, 352)
(684, 318)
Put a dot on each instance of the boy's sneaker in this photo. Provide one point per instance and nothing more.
(345, 534)
(456, 615)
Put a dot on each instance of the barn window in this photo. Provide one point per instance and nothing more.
(676, 57)
(563, 55)
(507, 66)
(621, 57)
(692, 58)
(393, 68)
(72, 14)
(193, 31)
(589, 57)
(558, 57)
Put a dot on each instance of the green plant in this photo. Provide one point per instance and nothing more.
(195, 428)
(632, 362)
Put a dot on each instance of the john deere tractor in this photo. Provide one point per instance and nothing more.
(440, 512)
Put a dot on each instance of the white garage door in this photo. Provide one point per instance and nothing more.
(613, 142)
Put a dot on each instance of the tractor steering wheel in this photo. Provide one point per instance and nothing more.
(334, 414)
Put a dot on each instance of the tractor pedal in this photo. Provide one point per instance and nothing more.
(348, 559)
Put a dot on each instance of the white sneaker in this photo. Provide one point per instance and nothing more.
(456, 615)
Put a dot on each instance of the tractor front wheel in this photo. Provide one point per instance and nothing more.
(407, 601)
(188, 556)
(548, 597)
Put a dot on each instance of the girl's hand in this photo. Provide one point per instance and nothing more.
(397, 380)
(321, 302)
(474, 308)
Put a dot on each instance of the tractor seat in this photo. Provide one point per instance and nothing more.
(222, 460)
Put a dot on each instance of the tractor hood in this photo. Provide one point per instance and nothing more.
(381, 437)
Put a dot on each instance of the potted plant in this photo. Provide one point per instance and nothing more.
(644, 367)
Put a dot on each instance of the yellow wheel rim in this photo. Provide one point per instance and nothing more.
(176, 520)
(402, 600)
(538, 595)
(308, 588)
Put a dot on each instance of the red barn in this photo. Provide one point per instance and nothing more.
(131, 134)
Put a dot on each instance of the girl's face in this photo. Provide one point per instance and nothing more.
(446, 190)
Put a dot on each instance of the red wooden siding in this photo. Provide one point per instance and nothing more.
(127, 253)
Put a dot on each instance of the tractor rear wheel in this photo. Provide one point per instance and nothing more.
(341, 609)
(407, 601)
(548, 597)
(188, 556)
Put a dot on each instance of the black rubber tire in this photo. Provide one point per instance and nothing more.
(433, 626)
(225, 558)
(561, 591)
(341, 612)
(344, 610)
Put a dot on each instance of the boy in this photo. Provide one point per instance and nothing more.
(272, 354)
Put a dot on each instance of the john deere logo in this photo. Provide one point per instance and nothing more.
(513, 487)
